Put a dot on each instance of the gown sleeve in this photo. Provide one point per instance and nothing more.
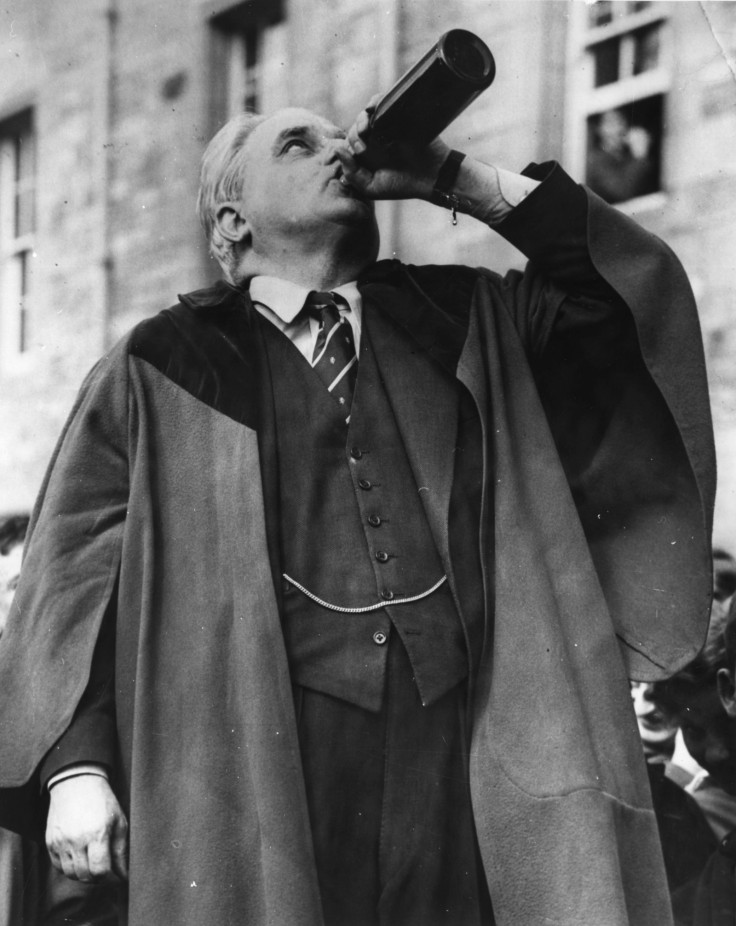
(611, 331)
(66, 587)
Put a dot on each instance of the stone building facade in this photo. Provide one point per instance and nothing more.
(106, 105)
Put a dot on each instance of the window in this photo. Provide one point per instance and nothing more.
(243, 66)
(620, 91)
(17, 227)
(249, 60)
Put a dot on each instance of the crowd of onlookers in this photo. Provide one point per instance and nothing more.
(688, 731)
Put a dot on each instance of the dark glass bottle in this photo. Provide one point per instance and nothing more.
(432, 93)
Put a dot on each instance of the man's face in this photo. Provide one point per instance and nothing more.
(292, 184)
(612, 130)
(710, 736)
(656, 728)
(724, 577)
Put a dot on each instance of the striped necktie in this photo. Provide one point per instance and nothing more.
(334, 358)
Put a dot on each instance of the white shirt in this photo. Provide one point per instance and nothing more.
(281, 301)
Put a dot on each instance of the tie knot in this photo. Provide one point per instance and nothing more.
(320, 304)
(319, 299)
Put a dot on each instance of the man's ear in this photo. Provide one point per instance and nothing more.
(727, 692)
(231, 223)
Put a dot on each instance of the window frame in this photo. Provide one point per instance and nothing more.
(239, 67)
(17, 245)
(585, 100)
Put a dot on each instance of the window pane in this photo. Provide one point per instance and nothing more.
(600, 13)
(17, 223)
(606, 58)
(646, 49)
(250, 39)
(24, 212)
(25, 156)
(23, 308)
(7, 206)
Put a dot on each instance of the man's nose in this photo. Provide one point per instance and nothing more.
(330, 148)
(641, 692)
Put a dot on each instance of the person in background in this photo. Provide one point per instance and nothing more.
(681, 766)
(711, 901)
(619, 165)
(656, 730)
(724, 574)
(12, 534)
(687, 840)
(692, 699)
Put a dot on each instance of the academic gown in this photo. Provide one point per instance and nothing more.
(595, 546)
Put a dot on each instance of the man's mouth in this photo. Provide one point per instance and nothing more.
(349, 190)
(342, 180)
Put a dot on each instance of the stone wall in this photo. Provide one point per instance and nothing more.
(122, 92)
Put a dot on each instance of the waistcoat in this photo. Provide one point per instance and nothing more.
(354, 534)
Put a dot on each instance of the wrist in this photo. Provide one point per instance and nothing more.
(428, 168)
(495, 206)
(443, 193)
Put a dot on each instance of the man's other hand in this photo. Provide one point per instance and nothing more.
(86, 831)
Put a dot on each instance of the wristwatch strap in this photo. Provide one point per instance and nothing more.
(442, 194)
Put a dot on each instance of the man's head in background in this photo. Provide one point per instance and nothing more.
(693, 698)
(656, 728)
(724, 574)
(727, 674)
(12, 534)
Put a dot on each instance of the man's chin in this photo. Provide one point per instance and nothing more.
(357, 214)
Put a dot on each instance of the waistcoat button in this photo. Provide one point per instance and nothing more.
(379, 638)
(374, 520)
(356, 453)
(382, 556)
(387, 594)
(365, 484)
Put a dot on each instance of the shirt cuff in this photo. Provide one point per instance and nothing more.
(74, 771)
(514, 187)
(549, 217)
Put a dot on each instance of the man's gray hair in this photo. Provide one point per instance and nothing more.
(221, 181)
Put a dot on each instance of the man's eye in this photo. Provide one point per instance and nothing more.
(294, 141)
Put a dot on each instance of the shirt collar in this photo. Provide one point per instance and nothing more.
(286, 299)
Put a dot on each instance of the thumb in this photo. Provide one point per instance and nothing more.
(119, 846)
